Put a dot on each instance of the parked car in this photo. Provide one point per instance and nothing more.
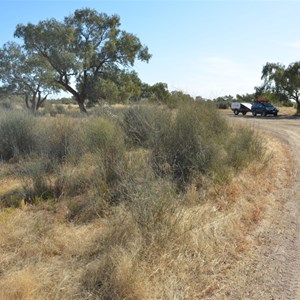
(263, 108)
(238, 107)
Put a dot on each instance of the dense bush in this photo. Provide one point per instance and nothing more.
(142, 123)
(244, 147)
(35, 175)
(59, 139)
(16, 134)
(115, 157)
(178, 98)
(105, 139)
(188, 145)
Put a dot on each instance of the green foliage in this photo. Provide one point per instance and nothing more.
(157, 93)
(222, 105)
(16, 134)
(246, 97)
(26, 73)
(282, 81)
(224, 101)
(178, 98)
(187, 146)
(84, 48)
(115, 87)
(103, 134)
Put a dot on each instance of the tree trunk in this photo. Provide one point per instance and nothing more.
(298, 107)
(33, 103)
(27, 101)
(40, 100)
(82, 107)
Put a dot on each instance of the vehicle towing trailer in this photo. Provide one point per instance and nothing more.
(238, 107)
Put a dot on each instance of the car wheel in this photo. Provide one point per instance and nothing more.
(254, 113)
(264, 114)
(236, 112)
(275, 114)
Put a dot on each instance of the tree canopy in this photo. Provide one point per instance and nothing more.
(25, 75)
(82, 50)
(282, 80)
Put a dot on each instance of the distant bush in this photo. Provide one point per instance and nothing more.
(222, 105)
(178, 98)
(6, 104)
(288, 104)
(60, 109)
(16, 134)
(53, 108)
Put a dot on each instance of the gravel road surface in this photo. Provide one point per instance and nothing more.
(278, 270)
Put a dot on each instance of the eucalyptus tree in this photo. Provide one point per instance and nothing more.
(26, 75)
(81, 48)
(283, 80)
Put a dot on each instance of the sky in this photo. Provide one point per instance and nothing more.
(202, 48)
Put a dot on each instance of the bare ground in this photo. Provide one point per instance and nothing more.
(276, 272)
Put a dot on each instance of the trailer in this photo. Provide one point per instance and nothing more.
(238, 107)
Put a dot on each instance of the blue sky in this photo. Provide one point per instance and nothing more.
(204, 48)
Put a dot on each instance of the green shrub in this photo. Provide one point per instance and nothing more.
(71, 181)
(37, 184)
(16, 134)
(60, 109)
(141, 123)
(12, 198)
(155, 208)
(59, 139)
(188, 145)
(105, 139)
(102, 133)
(244, 147)
(222, 105)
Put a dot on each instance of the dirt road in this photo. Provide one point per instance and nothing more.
(278, 269)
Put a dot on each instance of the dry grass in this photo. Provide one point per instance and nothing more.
(192, 250)
(290, 111)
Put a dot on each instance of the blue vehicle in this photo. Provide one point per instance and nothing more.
(263, 108)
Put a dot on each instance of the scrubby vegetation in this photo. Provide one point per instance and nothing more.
(135, 203)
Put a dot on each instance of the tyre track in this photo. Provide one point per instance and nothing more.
(279, 267)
